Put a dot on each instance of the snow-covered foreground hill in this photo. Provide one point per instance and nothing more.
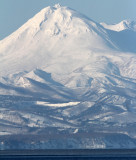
(68, 82)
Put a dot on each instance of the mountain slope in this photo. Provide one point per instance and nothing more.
(52, 33)
(61, 73)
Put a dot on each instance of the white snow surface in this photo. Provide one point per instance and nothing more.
(60, 41)
(123, 25)
(57, 104)
(53, 38)
(65, 71)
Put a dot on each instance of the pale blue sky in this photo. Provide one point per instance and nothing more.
(14, 13)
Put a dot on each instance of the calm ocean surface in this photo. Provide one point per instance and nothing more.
(63, 158)
(69, 154)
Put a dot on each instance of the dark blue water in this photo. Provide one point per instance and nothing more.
(63, 158)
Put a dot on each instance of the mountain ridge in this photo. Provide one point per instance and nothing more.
(123, 25)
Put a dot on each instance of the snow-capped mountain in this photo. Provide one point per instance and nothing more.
(123, 25)
(70, 80)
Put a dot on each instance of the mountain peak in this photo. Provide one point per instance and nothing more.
(53, 32)
(128, 24)
(57, 6)
(123, 25)
(48, 13)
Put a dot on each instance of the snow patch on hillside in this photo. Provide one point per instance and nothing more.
(57, 104)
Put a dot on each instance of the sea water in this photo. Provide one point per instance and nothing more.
(64, 158)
